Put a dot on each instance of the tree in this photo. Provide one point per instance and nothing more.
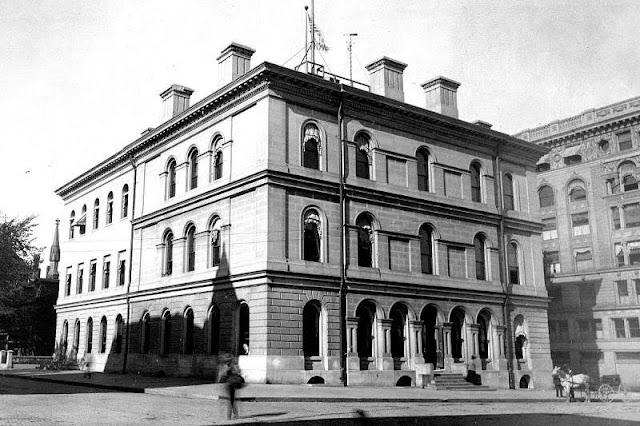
(16, 261)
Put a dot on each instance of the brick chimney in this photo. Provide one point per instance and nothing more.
(233, 62)
(386, 78)
(175, 100)
(441, 96)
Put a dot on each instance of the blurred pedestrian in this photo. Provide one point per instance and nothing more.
(230, 374)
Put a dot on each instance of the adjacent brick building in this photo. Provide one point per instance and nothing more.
(305, 225)
(590, 208)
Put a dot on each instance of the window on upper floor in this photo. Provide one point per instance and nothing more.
(587, 295)
(623, 288)
(67, 283)
(634, 327)
(92, 275)
(311, 147)
(366, 241)
(627, 176)
(171, 179)
(363, 155)
(122, 268)
(619, 329)
(191, 247)
(125, 201)
(89, 339)
(572, 159)
(80, 278)
(427, 250)
(618, 250)
(513, 263)
(109, 208)
(546, 196)
(615, 217)
(217, 159)
(551, 261)
(312, 236)
(422, 157)
(103, 335)
(215, 232)
(549, 229)
(508, 192)
(583, 259)
(168, 253)
(577, 191)
(82, 222)
(631, 215)
(72, 220)
(580, 224)
(96, 213)
(106, 271)
(624, 141)
(193, 169)
(475, 174)
(479, 250)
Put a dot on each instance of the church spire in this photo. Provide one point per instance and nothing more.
(54, 255)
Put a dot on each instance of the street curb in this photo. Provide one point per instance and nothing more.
(129, 389)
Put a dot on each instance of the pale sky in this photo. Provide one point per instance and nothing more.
(80, 79)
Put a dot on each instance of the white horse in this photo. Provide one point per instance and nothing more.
(573, 381)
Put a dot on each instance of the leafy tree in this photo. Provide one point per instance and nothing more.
(16, 261)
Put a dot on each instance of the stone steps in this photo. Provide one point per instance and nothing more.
(452, 381)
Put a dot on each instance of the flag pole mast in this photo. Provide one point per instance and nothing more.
(313, 37)
(306, 38)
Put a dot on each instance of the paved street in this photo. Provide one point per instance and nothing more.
(35, 402)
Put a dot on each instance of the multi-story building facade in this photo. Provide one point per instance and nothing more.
(590, 209)
(316, 230)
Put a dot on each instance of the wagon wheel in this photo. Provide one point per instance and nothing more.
(605, 391)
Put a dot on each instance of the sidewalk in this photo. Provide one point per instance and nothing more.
(201, 388)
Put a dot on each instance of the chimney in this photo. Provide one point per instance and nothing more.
(442, 96)
(175, 100)
(386, 78)
(233, 62)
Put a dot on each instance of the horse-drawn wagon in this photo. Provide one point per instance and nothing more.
(610, 387)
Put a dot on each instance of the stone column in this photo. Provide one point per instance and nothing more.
(163, 184)
(203, 260)
(384, 345)
(415, 344)
(448, 358)
(439, 337)
(500, 361)
(353, 360)
(181, 178)
(475, 342)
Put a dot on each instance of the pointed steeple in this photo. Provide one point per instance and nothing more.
(54, 255)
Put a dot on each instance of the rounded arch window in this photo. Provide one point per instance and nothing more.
(427, 250)
(89, 346)
(311, 329)
(364, 225)
(627, 176)
(513, 263)
(171, 178)
(311, 146)
(103, 335)
(398, 316)
(243, 329)
(188, 331)
(363, 150)
(577, 191)
(72, 224)
(109, 208)
(424, 164)
(312, 236)
(193, 169)
(546, 196)
(96, 213)
(145, 333)
(117, 343)
(508, 192)
(218, 159)
(125, 201)
(215, 234)
(475, 172)
(82, 222)
(168, 253)
(214, 330)
(165, 343)
(191, 247)
(479, 249)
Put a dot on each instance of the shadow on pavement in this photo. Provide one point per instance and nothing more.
(18, 386)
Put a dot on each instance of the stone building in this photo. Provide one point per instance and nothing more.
(306, 226)
(590, 209)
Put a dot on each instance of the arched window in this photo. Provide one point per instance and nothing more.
(117, 341)
(480, 255)
(513, 262)
(168, 253)
(311, 329)
(217, 164)
(627, 176)
(577, 191)
(476, 189)
(363, 148)
(188, 331)
(312, 246)
(64, 339)
(311, 147)
(76, 336)
(125, 201)
(103, 335)
(366, 313)
(520, 338)
(191, 247)
(193, 169)
(89, 346)
(165, 343)
(546, 197)
(365, 241)
(109, 208)
(96, 213)
(426, 250)
(214, 331)
(72, 219)
(145, 333)
(243, 330)
(398, 318)
(171, 179)
(82, 222)
(508, 192)
(423, 169)
(216, 241)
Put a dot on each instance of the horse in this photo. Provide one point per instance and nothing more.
(571, 381)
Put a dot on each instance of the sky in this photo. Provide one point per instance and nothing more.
(81, 79)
